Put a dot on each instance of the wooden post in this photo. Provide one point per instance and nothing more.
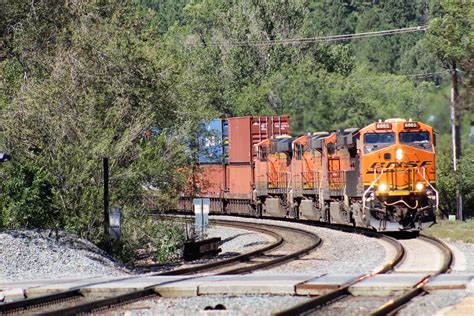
(105, 163)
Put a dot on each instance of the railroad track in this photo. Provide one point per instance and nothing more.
(289, 243)
(414, 255)
(444, 266)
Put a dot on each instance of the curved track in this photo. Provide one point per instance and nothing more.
(411, 259)
(343, 291)
(289, 243)
(443, 266)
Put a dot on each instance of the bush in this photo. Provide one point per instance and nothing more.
(146, 236)
(28, 198)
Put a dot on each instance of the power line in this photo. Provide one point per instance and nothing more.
(327, 39)
(397, 76)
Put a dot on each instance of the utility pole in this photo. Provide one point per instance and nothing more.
(456, 135)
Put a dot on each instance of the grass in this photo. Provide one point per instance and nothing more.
(453, 230)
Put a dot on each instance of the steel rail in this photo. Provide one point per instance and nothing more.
(242, 257)
(28, 303)
(137, 295)
(394, 305)
(317, 242)
(344, 290)
(90, 307)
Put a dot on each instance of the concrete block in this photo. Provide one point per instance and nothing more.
(119, 287)
(186, 287)
(324, 284)
(464, 307)
(255, 284)
(449, 282)
(52, 288)
(33, 283)
(386, 284)
(12, 295)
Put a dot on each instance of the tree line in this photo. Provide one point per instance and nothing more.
(80, 80)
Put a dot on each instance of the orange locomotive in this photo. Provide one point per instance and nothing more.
(381, 176)
(398, 174)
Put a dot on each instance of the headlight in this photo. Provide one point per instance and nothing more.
(383, 187)
(399, 154)
(419, 186)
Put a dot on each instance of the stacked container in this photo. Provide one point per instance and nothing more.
(227, 154)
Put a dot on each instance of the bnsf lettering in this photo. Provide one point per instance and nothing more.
(395, 165)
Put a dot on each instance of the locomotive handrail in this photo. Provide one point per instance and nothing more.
(370, 187)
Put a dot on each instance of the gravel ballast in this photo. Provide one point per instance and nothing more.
(339, 253)
(33, 255)
(466, 250)
(434, 302)
(237, 241)
(243, 305)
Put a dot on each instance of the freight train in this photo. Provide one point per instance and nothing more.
(381, 176)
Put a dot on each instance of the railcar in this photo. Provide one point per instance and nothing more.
(381, 176)
(398, 174)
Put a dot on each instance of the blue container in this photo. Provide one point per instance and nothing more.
(211, 142)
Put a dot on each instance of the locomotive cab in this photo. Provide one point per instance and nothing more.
(398, 173)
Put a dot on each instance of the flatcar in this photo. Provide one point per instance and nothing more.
(381, 176)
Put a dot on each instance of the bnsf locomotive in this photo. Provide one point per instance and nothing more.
(381, 176)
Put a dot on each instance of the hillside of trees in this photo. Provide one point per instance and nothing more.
(81, 80)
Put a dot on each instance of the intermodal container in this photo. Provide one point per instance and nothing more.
(210, 179)
(213, 142)
(245, 132)
(239, 181)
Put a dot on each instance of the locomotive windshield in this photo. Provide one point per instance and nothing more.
(416, 139)
(375, 141)
(379, 138)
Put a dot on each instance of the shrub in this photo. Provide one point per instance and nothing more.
(28, 198)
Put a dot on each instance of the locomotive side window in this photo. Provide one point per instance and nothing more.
(263, 153)
(299, 151)
(376, 141)
(416, 139)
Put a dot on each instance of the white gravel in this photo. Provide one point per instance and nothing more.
(237, 241)
(340, 252)
(243, 305)
(433, 303)
(32, 255)
(467, 253)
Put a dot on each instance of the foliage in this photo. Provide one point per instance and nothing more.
(453, 230)
(28, 198)
(83, 80)
(143, 235)
(450, 36)
(90, 93)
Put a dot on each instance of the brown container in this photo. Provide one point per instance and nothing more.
(245, 132)
(210, 180)
(239, 181)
